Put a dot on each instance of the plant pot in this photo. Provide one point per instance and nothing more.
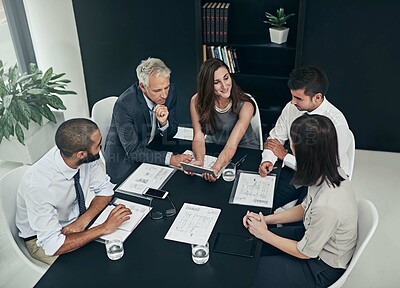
(38, 140)
(278, 35)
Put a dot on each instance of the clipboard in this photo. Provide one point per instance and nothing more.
(258, 193)
(232, 244)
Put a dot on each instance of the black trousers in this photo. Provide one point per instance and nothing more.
(278, 269)
(285, 192)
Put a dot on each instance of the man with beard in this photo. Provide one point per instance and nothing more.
(51, 214)
(308, 86)
(143, 112)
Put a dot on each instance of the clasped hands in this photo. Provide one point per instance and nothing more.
(256, 224)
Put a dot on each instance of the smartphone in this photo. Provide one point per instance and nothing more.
(155, 193)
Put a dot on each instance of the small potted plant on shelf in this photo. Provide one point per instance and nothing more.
(25, 102)
(278, 33)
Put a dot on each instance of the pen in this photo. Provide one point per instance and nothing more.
(241, 160)
(112, 203)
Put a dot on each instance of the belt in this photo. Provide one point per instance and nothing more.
(29, 238)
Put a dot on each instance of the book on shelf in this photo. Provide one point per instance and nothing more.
(214, 17)
(204, 21)
(212, 22)
(218, 16)
(228, 55)
(235, 59)
(208, 23)
(225, 24)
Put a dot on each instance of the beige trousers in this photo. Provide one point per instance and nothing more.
(38, 252)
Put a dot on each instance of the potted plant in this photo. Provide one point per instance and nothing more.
(25, 102)
(278, 33)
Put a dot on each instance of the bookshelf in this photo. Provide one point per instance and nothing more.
(264, 66)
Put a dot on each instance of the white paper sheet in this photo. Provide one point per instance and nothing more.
(254, 190)
(145, 176)
(139, 211)
(193, 224)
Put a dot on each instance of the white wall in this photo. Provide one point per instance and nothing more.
(55, 41)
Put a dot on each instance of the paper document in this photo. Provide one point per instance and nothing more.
(193, 224)
(146, 176)
(139, 211)
(253, 190)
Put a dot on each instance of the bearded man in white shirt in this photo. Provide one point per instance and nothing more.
(51, 213)
(308, 86)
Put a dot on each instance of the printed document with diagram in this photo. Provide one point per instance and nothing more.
(145, 176)
(253, 190)
(193, 224)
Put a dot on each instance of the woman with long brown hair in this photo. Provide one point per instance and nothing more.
(316, 253)
(222, 111)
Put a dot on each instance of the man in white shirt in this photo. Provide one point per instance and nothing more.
(308, 87)
(51, 213)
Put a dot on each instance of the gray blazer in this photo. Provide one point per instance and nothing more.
(130, 131)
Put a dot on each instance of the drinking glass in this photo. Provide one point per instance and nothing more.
(115, 249)
(229, 172)
(200, 253)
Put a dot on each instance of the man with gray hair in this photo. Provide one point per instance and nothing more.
(146, 110)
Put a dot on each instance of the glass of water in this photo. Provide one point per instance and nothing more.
(229, 172)
(115, 249)
(200, 253)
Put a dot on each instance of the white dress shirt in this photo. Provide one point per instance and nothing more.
(46, 198)
(281, 132)
(153, 119)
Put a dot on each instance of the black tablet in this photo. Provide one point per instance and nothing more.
(197, 169)
(235, 244)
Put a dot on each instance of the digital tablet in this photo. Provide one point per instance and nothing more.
(197, 169)
(235, 245)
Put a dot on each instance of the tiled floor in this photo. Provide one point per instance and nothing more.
(375, 177)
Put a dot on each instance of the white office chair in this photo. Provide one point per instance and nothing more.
(351, 154)
(367, 222)
(101, 114)
(256, 122)
(8, 206)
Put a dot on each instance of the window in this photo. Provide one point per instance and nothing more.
(16, 43)
(7, 52)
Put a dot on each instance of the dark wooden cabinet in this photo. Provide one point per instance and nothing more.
(264, 66)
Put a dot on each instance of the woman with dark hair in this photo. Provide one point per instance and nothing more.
(316, 253)
(222, 111)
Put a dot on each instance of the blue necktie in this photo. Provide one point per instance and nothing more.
(79, 194)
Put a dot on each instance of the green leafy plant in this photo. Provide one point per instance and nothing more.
(279, 20)
(26, 97)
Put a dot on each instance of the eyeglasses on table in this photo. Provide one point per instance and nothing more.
(157, 214)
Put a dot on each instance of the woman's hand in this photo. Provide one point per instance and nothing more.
(194, 162)
(209, 177)
(256, 224)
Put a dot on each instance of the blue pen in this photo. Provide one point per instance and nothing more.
(112, 203)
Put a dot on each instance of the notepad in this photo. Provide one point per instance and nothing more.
(139, 211)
